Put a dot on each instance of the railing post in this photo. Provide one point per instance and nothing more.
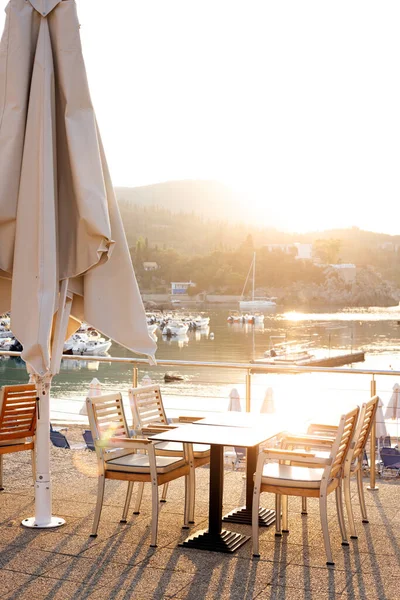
(135, 377)
(372, 439)
(248, 391)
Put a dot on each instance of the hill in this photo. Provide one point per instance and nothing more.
(209, 199)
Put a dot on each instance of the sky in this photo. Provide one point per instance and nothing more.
(293, 104)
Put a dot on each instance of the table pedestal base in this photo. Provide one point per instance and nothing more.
(266, 516)
(226, 541)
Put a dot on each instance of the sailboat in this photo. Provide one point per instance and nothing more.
(254, 303)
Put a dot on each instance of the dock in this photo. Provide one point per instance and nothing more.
(328, 361)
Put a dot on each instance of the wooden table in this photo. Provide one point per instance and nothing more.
(218, 436)
(269, 425)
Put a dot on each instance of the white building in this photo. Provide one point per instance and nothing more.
(179, 288)
(304, 251)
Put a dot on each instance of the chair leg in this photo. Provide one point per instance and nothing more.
(323, 511)
(192, 490)
(339, 508)
(154, 513)
(138, 501)
(254, 520)
(278, 510)
(188, 503)
(127, 501)
(1, 473)
(361, 496)
(285, 520)
(99, 505)
(349, 508)
(303, 505)
(164, 493)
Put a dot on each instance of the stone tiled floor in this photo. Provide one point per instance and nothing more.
(66, 563)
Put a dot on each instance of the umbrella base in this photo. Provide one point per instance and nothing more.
(54, 522)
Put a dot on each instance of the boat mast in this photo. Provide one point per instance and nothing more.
(254, 273)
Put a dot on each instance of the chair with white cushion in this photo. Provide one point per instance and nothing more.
(354, 460)
(121, 457)
(17, 421)
(305, 474)
(148, 414)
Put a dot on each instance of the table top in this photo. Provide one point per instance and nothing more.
(239, 419)
(217, 435)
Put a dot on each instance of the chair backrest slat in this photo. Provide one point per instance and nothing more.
(341, 445)
(366, 419)
(146, 406)
(107, 417)
(18, 412)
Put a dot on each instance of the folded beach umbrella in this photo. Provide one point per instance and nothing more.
(381, 430)
(63, 252)
(393, 408)
(268, 405)
(234, 401)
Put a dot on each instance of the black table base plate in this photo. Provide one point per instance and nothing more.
(226, 541)
(266, 517)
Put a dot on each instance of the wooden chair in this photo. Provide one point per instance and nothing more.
(121, 457)
(17, 422)
(354, 459)
(148, 411)
(303, 473)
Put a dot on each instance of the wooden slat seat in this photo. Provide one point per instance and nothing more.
(124, 458)
(17, 421)
(303, 473)
(148, 410)
(288, 476)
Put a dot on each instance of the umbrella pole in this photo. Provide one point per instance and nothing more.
(43, 517)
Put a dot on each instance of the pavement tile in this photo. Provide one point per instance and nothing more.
(373, 587)
(10, 580)
(325, 579)
(275, 592)
(23, 560)
(143, 583)
(238, 580)
(44, 588)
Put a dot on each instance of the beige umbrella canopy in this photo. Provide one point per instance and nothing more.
(63, 252)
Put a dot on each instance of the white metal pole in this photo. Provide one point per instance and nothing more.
(43, 498)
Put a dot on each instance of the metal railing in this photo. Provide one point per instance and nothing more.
(249, 369)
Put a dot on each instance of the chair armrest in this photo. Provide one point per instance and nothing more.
(308, 440)
(293, 455)
(322, 427)
(188, 419)
(122, 442)
(153, 429)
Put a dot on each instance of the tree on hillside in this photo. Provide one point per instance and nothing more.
(327, 250)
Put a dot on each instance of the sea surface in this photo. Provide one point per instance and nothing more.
(374, 330)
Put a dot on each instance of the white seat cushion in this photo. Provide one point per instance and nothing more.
(285, 475)
(199, 450)
(139, 463)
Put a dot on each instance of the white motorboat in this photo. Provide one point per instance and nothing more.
(74, 340)
(175, 328)
(98, 346)
(6, 342)
(254, 319)
(254, 303)
(201, 322)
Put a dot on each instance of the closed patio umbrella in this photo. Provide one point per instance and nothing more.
(63, 252)
(268, 405)
(393, 408)
(234, 401)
